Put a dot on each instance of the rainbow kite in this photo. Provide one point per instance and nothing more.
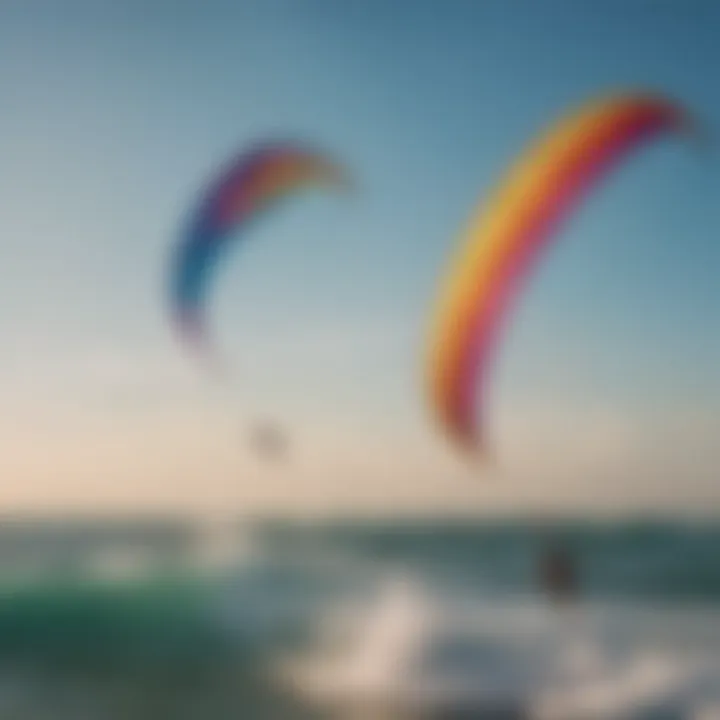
(506, 237)
(252, 184)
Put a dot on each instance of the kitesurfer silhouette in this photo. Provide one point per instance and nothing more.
(558, 574)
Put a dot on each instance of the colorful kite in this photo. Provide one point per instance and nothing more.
(505, 240)
(253, 184)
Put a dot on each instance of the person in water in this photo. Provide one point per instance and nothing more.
(558, 576)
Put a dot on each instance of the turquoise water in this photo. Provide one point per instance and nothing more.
(199, 643)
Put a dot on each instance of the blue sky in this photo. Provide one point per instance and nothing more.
(115, 114)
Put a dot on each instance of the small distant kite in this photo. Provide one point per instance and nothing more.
(269, 441)
(505, 240)
(253, 183)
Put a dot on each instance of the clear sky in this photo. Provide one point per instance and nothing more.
(114, 114)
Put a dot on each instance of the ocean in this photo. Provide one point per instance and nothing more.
(163, 619)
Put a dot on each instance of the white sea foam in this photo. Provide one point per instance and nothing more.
(408, 651)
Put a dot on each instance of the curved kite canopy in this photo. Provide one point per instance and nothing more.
(251, 185)
(506, 237)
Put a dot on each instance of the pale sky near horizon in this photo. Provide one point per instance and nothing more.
(607, 394)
